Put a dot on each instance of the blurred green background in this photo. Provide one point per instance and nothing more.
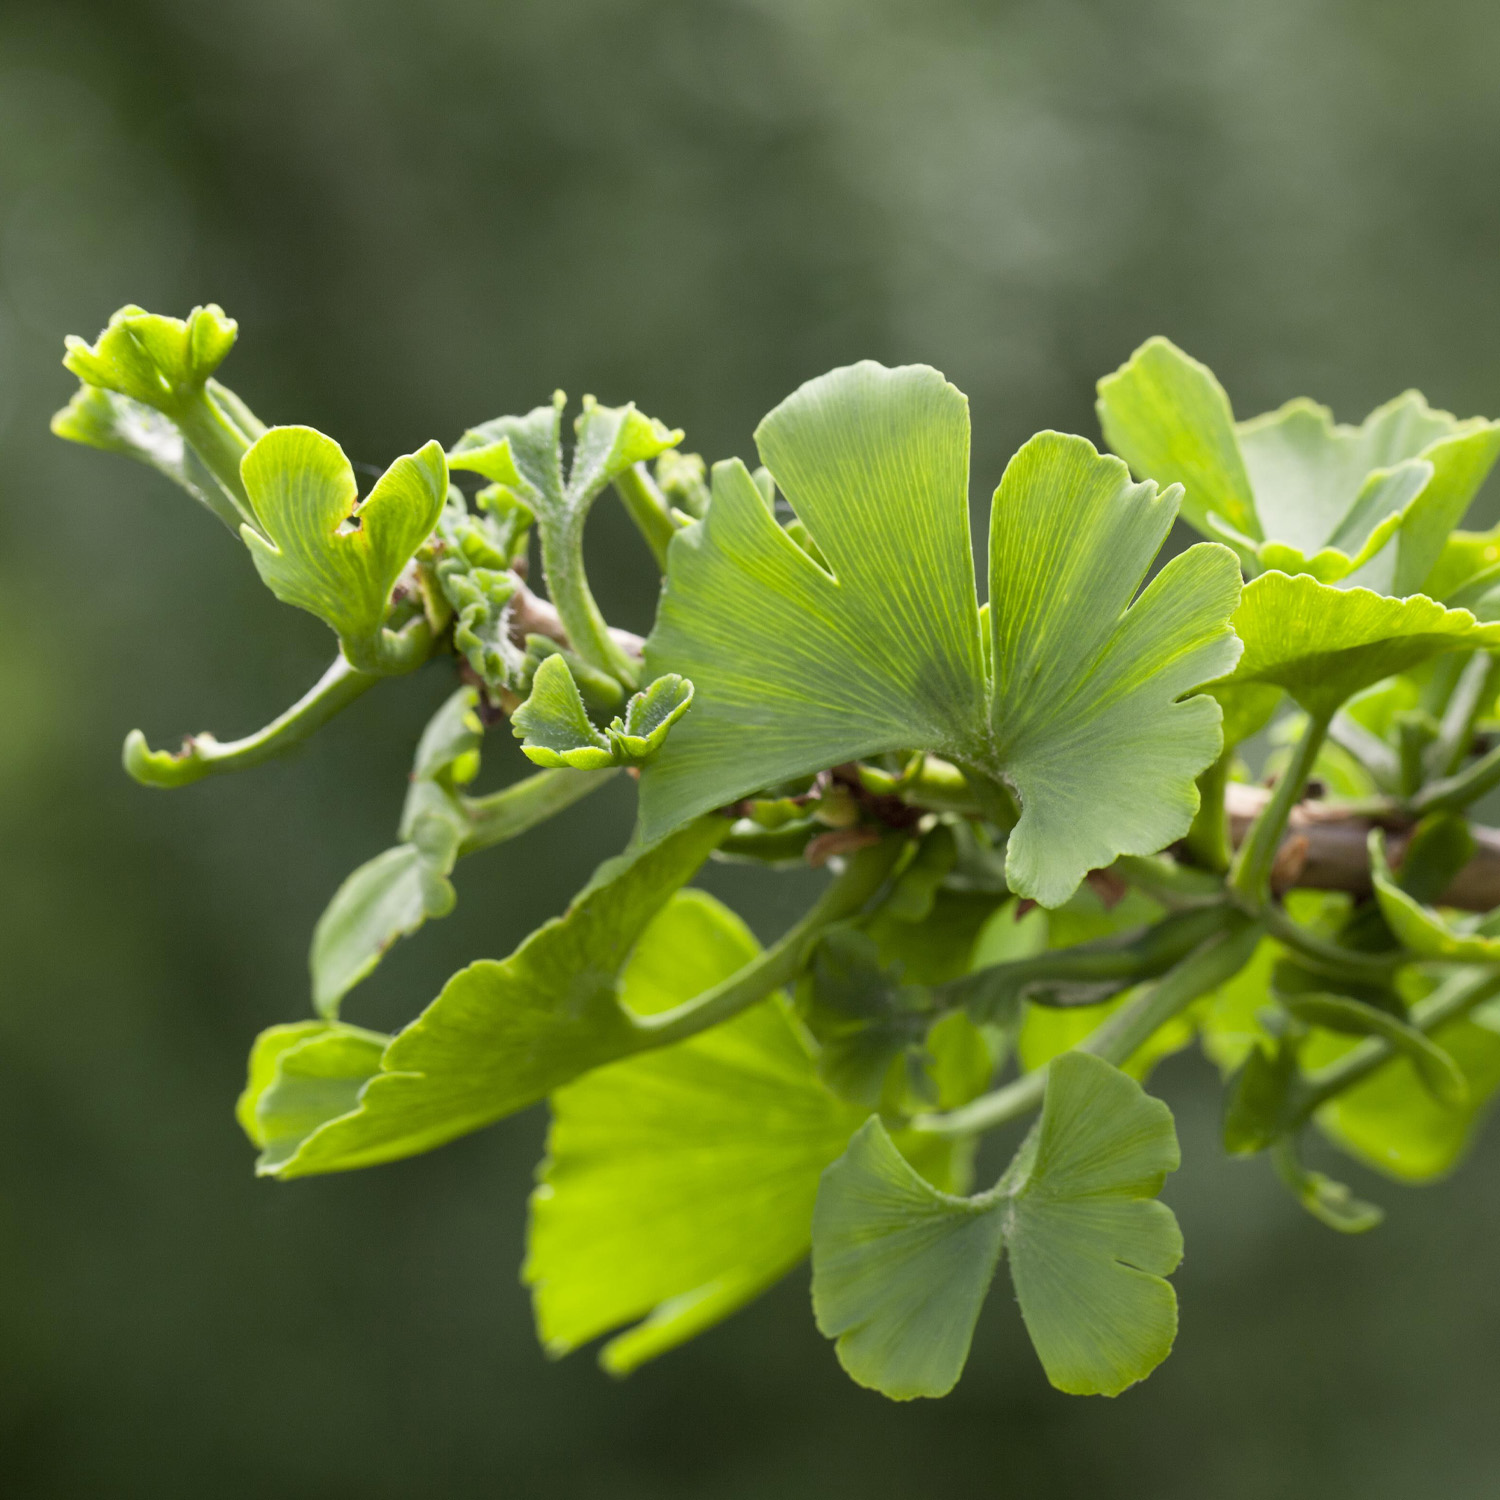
(425, 214)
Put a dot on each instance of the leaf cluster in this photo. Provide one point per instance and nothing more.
(1049, 864)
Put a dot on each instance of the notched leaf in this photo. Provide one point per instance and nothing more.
(303, 492)
(1293, 490)
(153, 359)
(798, 668)
(900, 1270)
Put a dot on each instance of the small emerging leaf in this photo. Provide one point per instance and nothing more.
(555, 729)
(152, 359)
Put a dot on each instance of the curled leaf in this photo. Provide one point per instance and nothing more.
(152, 359)
(555, 730)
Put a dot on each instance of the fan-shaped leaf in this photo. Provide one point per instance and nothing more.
(1293, 490)
(1323, 645)
(900, 1270)
(797, 670)
(680, 1184)
(325, 550)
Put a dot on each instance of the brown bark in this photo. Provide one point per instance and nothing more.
(1325, 848)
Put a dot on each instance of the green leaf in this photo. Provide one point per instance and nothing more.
(797, 670)
(1169, 419)
(524, 455)
(1419, 928)
(392, 895)
(1323, 645)
(900, 1269)
(1439, 1073)
(679, 1184)
(502, 1034)
(387, 898)
(103, 419)
(1089, 1245)
(301, 1075)
(1293, 490)
(155, 360)
(555, 730)
(325, 550)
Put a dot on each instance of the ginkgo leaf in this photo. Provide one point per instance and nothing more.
(524, 456)
(679, 1184)
(1170, 420)
(1323, 644)
(148, 392)
(386, 898)
(325, 550)
(1293, 490)
(504, 1033)
(152, 359)
(900, 1269)
(555, 730)
(117, 424)
(798, 667)
(301, 1075)
(1419, 928)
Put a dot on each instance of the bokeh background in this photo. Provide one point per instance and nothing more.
(424, 214)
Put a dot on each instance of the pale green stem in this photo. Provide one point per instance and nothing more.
(1250, 877)
(391, 653)
(511, 811)
(1216, 962)
(219, 442)
(203, 755)
(567, 583)
(648, 509)
(783, 960)
(1331, 957)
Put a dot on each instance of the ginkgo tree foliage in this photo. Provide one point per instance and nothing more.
(1026, 776)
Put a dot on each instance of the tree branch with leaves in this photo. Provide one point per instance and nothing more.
(1049, 866)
